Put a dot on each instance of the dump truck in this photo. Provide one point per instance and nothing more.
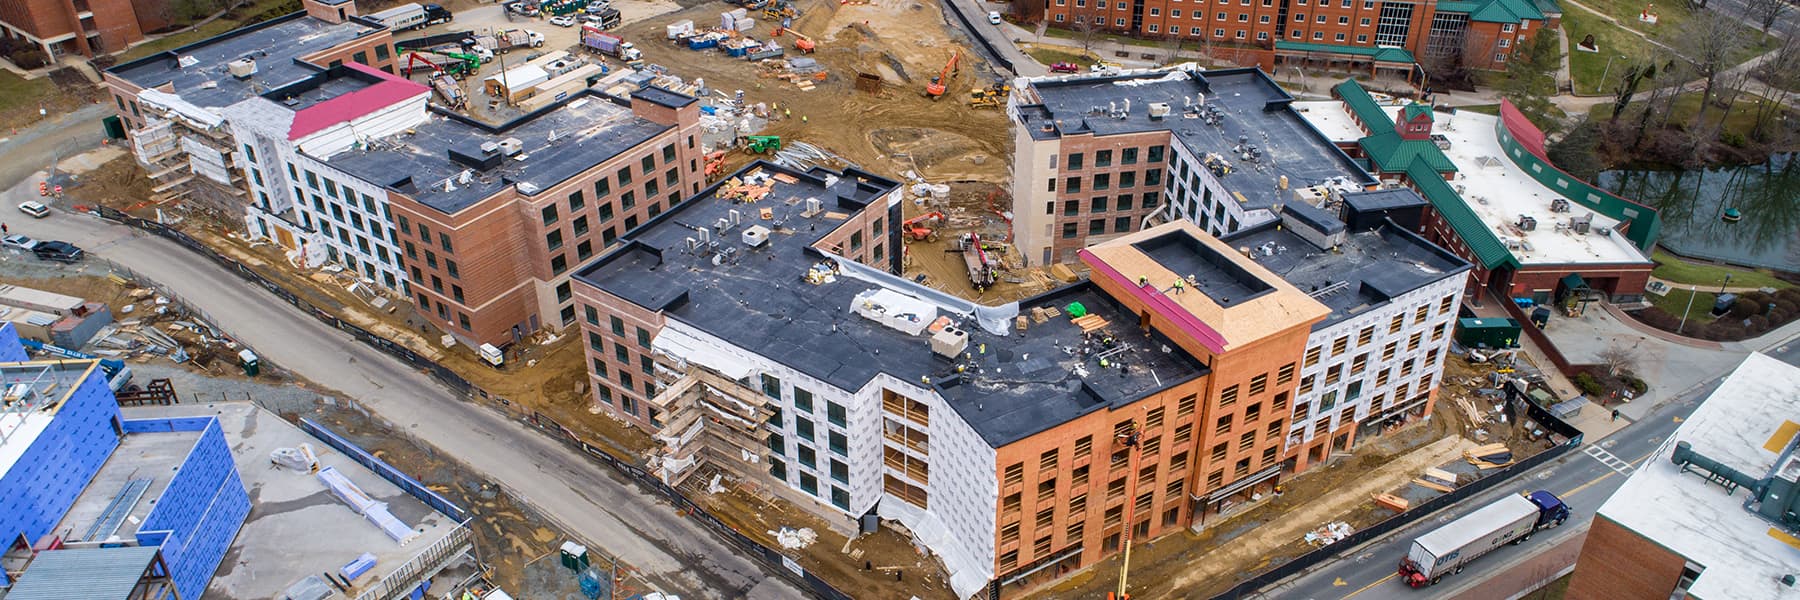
(611, 45)
(1509, 520)
(411, 16)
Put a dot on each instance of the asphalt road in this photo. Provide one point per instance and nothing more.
(671, 552)
(1581, 478)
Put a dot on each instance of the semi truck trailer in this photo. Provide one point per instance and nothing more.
(1510, 520)
(412, 16)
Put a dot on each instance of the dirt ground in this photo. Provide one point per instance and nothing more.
(899, 130)
(899, 570)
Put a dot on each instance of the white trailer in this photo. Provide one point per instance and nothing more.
(1511, 519)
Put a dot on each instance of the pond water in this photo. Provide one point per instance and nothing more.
(1693, 205)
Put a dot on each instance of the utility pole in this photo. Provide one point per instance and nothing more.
(1693, 290)
(1130, 439)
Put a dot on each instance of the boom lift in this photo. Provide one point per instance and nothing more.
(923, 228)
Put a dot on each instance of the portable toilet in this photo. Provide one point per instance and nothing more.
(248, 359)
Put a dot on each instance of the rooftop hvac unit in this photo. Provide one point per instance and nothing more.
(1582, 223)
(756, 236)
(242, 68)
(1527, 223)
(511, 146)
(1559, 205)
(736, 217)
(490, 147)
(1159, 110)
(949, 342)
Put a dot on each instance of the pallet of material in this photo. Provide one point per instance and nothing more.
(1432, 486)
(1392, 502)
(1485, 465)
(1487, 451)
(785, 178)
(1440, 476)
(1090, 323)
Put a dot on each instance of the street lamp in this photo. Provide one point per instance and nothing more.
(1693, 290)
(1602, 83)
(1727, 282)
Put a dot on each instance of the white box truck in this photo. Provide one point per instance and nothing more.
(412, 16)
(1447, 549)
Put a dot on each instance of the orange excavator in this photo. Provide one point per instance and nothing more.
(939, 84)
(923, 228)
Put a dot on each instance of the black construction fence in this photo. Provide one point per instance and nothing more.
(776, 562)
(1517, 401)
(993, 53)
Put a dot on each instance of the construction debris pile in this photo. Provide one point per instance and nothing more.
(1328, 534)
(795, 539)
(802, 156)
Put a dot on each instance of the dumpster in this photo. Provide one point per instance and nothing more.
(1489, 332)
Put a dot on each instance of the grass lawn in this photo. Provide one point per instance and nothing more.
(1674, 269)
(18, 93)
(1585, 68)
(1486, 109)
(1050, 55)
(1677, 300)
(1617, 39)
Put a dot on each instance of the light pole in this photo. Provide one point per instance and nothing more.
(1602, 83)
(1727, 282)
(1693, 290)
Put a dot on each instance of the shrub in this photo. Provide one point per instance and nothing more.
(1744, 307)
(1658, 318)
(1588, 385)
(1733, 139)
(1756, 324)
(1637, 386)
(1792, 295)
(29, 58)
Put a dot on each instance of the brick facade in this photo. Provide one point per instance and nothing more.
(1618, 564)
(500, 268)
(83, 27)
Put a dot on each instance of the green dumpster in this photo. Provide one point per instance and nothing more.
(1491, 332)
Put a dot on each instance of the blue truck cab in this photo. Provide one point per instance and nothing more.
(1551, 510)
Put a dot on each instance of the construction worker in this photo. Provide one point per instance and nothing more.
(802, 118)
(1179, 283)
(1143, 281)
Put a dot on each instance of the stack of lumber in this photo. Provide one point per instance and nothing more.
(1437, 479)
(1090, 323)
(1489, 456)
(1392, 502)
(1476, 416)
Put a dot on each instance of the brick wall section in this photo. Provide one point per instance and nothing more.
(118, 22)
(615, 354)
(363, 48)
(1082, 484)
(507, 271)
(1618, 564)
(1143, 198)
(1613, 280)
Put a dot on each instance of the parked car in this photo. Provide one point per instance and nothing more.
(1065, 67)
(597, 7)
(994, 17)
(18, 241)
(57, 251)
(34, 208)
(563, 21)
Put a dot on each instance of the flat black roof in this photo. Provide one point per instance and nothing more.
(1383, 199)
(1253, 106)
(559, 141)
(276, 45)
(1374, 265)
(1211, 273)
(757, 299)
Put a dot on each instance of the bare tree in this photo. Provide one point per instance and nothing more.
(1090, 24)
(1766, 12)
(1782, 74)
(1170, 47)
(1708, 41)
(1618, 358)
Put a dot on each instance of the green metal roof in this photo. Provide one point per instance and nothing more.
(1393, 154)
(1415, 110)
(1548, 7)
(1364, 106)
(1458, 6)
(1506, 11)
(1488, 249)
(1377, 54)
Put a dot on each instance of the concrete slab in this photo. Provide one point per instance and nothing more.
(296, 526)
(1668, 367)
(154, 456)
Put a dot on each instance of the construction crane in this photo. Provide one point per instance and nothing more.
(917, 229)
(984, 269)
(939, 84)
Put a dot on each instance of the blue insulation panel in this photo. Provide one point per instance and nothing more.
(201, 511)
(40, 487)
(10, 348)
